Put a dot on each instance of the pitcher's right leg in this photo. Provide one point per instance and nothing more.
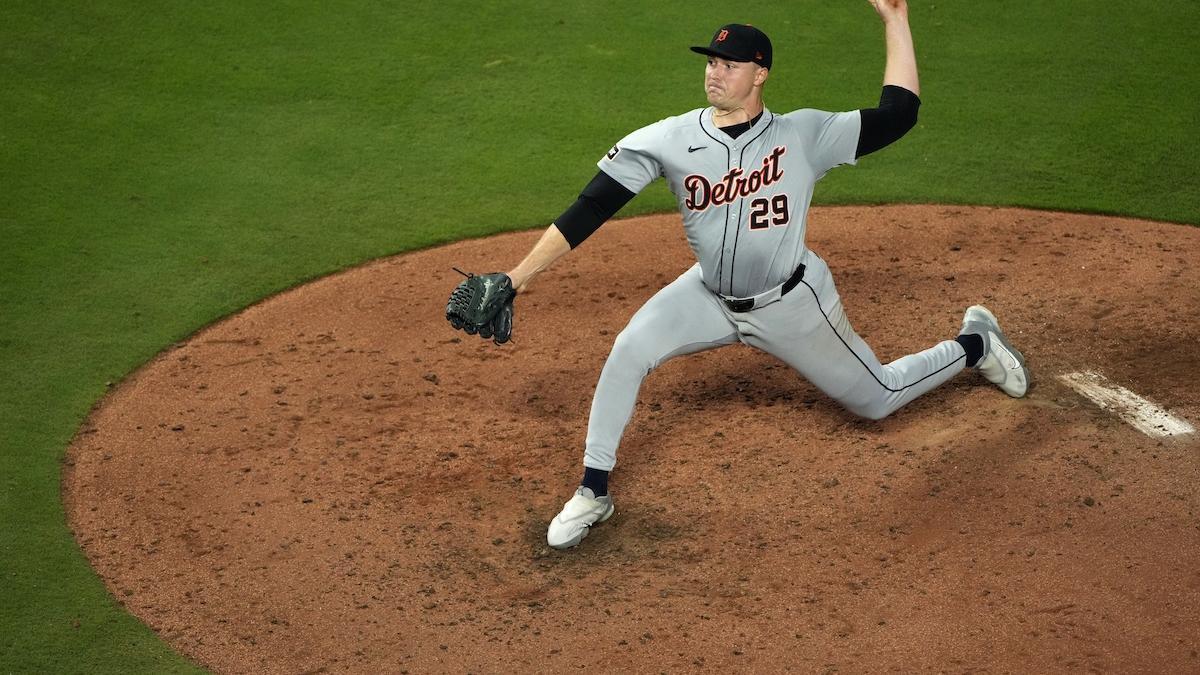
(808, 329)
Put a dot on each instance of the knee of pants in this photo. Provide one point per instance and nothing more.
(632, 353)
(875, 409)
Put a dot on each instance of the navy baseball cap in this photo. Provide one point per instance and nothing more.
(739, 42)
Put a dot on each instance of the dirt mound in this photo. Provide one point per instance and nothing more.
(334, 479)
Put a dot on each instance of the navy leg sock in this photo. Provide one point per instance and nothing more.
(972, 344)
(595, 480)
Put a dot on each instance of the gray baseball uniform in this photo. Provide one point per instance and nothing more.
(745, 205)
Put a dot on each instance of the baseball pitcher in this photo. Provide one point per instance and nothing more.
(743, 178)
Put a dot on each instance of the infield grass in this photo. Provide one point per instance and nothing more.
(165, 165)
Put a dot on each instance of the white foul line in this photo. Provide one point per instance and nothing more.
(1145, 416)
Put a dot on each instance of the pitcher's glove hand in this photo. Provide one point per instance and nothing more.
(483, 304)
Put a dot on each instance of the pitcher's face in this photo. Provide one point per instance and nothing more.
(729, 84)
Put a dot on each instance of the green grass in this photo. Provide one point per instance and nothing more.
(166, 165)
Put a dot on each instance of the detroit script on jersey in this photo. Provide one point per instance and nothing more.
(734, 185)
(744, 200)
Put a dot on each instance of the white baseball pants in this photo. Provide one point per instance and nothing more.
(806, 329)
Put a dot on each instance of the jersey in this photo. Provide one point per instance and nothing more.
(744, 201)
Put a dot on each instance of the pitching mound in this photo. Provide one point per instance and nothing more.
(335, 480)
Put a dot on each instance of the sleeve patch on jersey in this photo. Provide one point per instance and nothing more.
(612, 154)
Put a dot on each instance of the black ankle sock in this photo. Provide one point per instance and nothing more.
(595, 480)
(972, 344)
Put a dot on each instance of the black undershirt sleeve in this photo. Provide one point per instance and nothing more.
(896, 114)
(598, 202)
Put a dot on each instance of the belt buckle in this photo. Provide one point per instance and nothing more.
(744, 305)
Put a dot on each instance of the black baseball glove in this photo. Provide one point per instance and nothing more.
(483, 304)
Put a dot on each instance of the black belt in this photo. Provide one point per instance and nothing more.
(747, 304)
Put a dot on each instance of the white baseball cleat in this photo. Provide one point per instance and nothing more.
(1002, 364)
(571, 525)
